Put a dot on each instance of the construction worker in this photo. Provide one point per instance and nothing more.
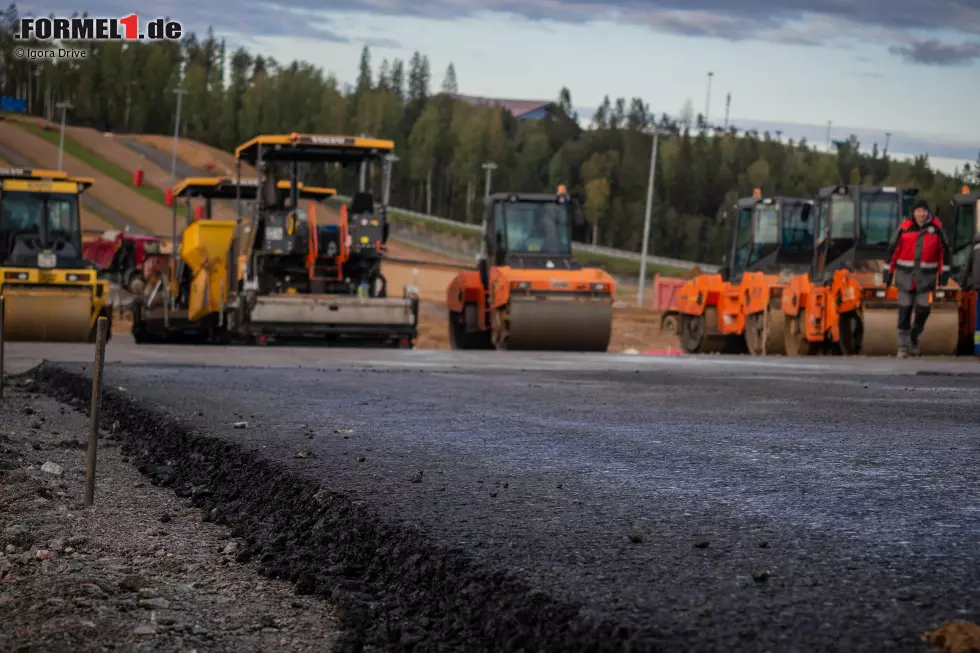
(918, 255)
(971, 281)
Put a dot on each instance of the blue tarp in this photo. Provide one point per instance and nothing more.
(13, 104)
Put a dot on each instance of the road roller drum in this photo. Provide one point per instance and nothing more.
(47, 315)
(940, 337)
(555, 324)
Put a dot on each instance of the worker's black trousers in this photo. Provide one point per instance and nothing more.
(909, 303)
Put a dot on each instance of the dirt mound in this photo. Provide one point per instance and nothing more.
(142, 211)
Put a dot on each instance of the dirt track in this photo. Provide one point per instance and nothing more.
(144, 212)
(111, 149)
(200, 156)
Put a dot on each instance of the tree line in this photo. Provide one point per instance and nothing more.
(442, 141)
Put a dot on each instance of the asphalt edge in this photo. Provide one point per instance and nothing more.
(394, 590)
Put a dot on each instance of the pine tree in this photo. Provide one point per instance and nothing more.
(398, 78)
(364, 77)
(449, 85)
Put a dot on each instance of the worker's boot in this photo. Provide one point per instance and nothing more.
(921, 315)
(914, 349)
(904, 343)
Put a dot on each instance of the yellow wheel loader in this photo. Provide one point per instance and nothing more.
(52, 293)
(295, 276)
(170, 310)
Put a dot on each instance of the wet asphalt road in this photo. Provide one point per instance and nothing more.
(728, 504)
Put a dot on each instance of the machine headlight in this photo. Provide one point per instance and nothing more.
(273, 233)
(940, 294)
(881, 294)
(47, 260)
(78, 277)
(521, 285)
(15, 276)
(598, 287)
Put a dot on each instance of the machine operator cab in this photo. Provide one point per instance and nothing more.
(963, 229)
(40, 219)
(773, 235)
(287, 250)
(855, 224)
(530, 231)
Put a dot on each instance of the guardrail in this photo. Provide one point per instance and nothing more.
(582, 247)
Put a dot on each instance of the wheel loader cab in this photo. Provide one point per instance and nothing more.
(52, 292)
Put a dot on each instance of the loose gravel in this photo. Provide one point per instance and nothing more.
(138, 571)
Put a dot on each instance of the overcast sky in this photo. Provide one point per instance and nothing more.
(894, 65)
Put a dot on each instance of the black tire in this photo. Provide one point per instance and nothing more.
(851, 333)
(459, 338)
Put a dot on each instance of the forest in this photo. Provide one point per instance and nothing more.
(442, 141)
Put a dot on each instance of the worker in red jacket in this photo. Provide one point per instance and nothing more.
(919, 255)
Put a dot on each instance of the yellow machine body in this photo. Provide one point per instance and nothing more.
(46, 302)
(204, 248)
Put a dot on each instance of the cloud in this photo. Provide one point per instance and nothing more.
(795, 22)
(382, 43)
(936, 53)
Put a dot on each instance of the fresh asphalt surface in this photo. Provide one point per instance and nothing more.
(725, 503)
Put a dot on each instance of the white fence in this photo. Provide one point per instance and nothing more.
(582, 247)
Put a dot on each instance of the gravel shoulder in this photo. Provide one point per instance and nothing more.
(141, 570)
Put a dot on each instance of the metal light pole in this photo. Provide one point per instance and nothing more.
(649, 212)
(489, 166)
(707, 101)
(64, 106)
(390, 160)
(829, 125)
(181, 92)
(888, 138)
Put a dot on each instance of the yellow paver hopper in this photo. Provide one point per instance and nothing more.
(52, 294)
